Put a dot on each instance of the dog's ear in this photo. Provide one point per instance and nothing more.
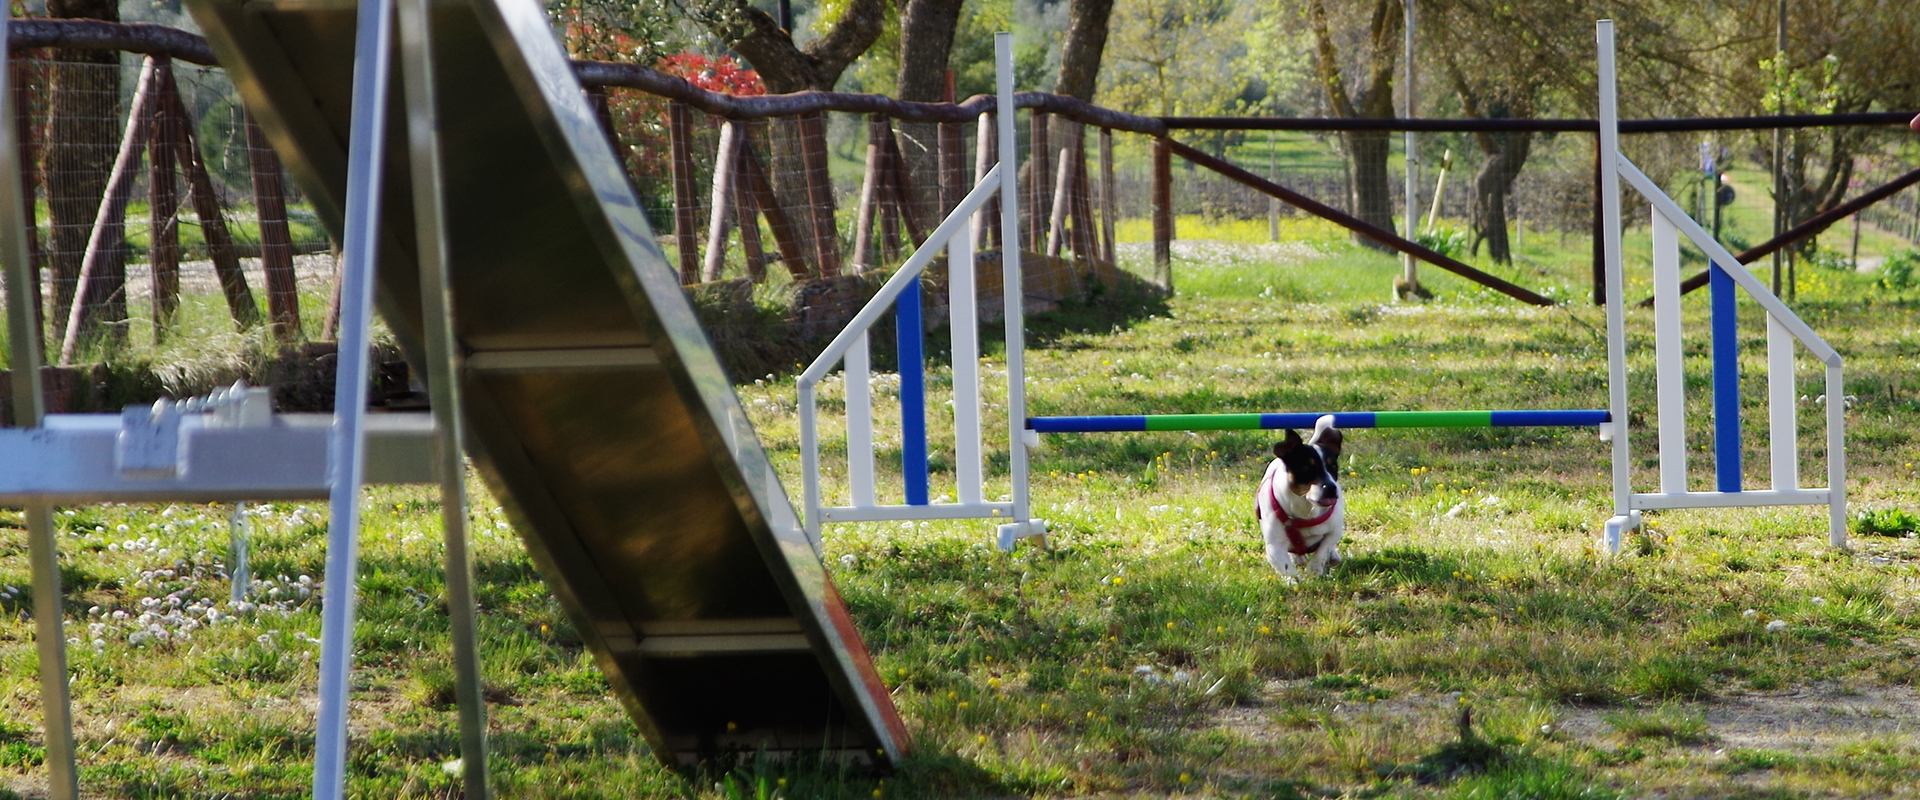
(1330, 442)
(1284, 445)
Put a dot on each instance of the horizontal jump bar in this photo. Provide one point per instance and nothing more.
(1573, 418)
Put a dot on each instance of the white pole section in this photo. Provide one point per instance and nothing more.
(810, 455)
(857, 375)
(1011, 281)
(1783, 421)
(964, 321)
(346, 446)
(1610, 234)
(1836, 456)
(1669, 370)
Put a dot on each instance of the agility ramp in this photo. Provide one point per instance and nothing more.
(594, 405)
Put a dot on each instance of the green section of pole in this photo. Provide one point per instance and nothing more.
(1433, 419)
(1204, 422)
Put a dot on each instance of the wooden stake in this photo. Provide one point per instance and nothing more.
(206, 205)
(276, 241)
(987, 235)
(103, 276)
(902, 187)
(744, 209)
(680, 143)
(719, 217)
(163, 213)
(1040, 170)
(1163, 214)
(1084, 238)
(869, 195)
(1109, 196)
(813, 148)
(786, 235)
(1062, 188)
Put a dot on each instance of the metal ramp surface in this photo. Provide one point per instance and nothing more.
(596, 409)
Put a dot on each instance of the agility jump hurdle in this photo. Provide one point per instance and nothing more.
(1669, 224)
(902, 293)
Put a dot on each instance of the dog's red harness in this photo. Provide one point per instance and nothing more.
(1296, 541)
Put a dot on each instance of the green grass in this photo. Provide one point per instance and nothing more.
(1150, 652)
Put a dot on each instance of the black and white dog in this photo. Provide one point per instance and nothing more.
(1299, 505)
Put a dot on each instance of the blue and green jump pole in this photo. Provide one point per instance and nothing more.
(1575, 418)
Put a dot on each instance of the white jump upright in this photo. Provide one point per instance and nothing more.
(1670, 225)
(850, 349)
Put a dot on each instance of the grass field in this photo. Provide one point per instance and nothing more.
(1150, 652)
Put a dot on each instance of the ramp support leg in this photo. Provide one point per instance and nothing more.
(443, 384)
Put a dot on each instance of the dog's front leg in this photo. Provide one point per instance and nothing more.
(1327, 553)
(1279, 554)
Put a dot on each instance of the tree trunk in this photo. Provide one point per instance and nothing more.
(1504, 154)
(783, 66)
(926, 39)
(80, 150)
(1366, 151)
(1371, 195)
(1080, 54)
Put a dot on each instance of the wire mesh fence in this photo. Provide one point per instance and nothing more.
(146, 183)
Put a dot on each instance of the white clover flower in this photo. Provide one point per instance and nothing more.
(1819, 601)
(1749, 614)
(1777, 625)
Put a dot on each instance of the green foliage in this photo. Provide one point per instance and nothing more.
(1898, 272)
(1886, 522)
(1446, 240)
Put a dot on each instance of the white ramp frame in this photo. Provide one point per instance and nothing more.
(1783, 327)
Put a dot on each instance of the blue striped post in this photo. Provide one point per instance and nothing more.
(913, 393)
(1726, 381)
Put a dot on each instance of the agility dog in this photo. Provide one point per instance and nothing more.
(1302, 514)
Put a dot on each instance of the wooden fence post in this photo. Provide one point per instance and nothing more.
(863, 227)
(1599, 240)
(1062, 197)
(680, 143)
(988, 235)
(276, 241)
(727, 155)
(1163, 215)
(1109, 196)
(826, 238)
(23, 103)
(1085, 240)
(745, 209)
(786, 236)
(902, 187)
(163, 213)
(100, 294)
(1039, 173)
(206, 205)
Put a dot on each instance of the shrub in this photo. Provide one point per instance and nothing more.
(1886, 522)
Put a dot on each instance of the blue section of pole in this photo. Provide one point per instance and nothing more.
(913, 393)
(1726, 381)
(1341, 419)
(1550, 418)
